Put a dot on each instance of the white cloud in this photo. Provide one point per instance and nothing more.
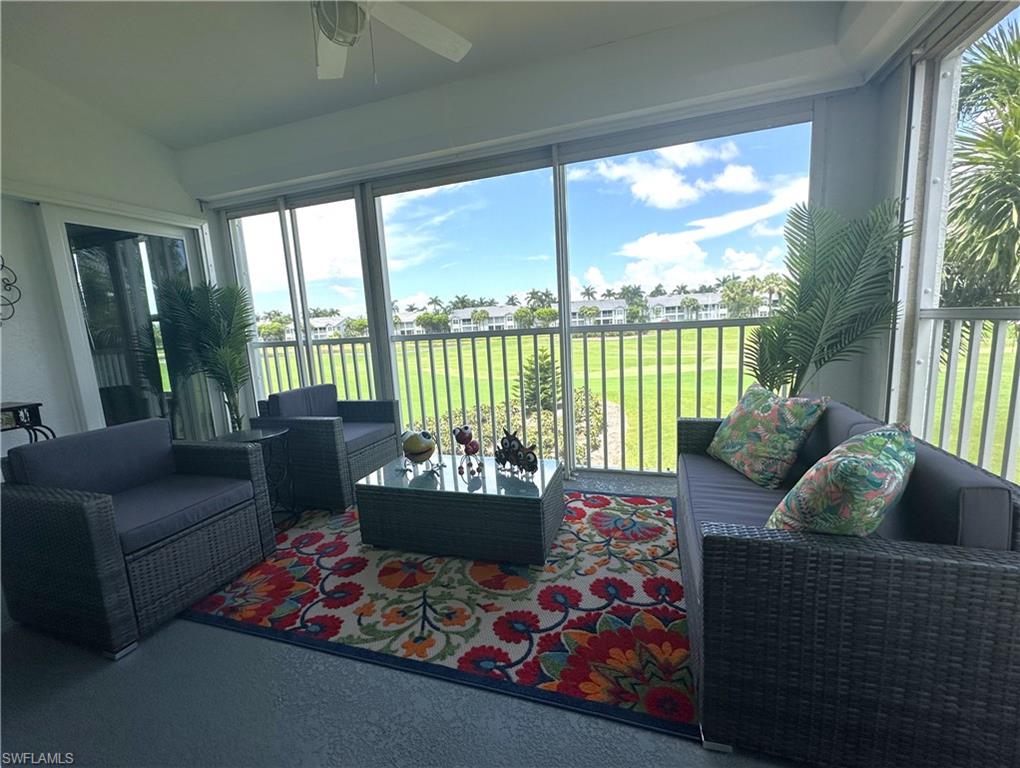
(344, 290)
(695, 153)
(735, 178)
(539, 257)
(658, 186)
(579, 172)
(420, 299)
(672, 258)
(762, 229)
(741, 261)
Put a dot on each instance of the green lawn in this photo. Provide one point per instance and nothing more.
(645, 383)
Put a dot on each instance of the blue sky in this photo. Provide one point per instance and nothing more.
(683, 214)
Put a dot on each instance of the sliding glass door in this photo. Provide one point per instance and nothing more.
(139, 371)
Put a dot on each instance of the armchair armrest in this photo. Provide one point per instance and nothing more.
(695, 435)
(241, 460)
(370, 410)
(899, 647)
(63, 567)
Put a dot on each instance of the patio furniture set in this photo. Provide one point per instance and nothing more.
(894, 648)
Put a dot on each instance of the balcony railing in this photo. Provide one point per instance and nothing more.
(630, 384)
(968, 403)
(346, 362)
(639, 378)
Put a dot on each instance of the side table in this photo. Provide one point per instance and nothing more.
(273, 443)
(25, 416)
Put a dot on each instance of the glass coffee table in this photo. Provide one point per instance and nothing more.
(494, 515)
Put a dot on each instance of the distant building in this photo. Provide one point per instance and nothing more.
(501, 317)
(611, 312)
(322, 328)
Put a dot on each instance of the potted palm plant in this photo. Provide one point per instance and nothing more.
(837, 297)
(212, 326)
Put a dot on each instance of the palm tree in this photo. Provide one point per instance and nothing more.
(588, 292)
(548, 297)
(691, 306)
(721, 281)
(982, 257)
(609, 293)
(213, 325)
(533, 298)
(512, 300)
(839, 294)
(435, 302)
(680, 290)
(413, 308)
(658, 290)
(772, 285)
(460, 301)
(395, 306)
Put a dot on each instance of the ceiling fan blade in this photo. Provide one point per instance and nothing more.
(331, 59)
(421, 29)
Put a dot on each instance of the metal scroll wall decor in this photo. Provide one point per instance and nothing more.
(10, 293)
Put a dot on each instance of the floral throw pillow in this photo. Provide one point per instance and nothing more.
(761, 436)
(849, 490)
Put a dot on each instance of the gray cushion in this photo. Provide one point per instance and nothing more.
(949, 501)
(319, 400)
(151, 512)
(720, 494)
(102, 461)
(361, 434)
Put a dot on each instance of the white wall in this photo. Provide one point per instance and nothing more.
(757, 54)
(54, 142)
(857, 151)
(32, 348)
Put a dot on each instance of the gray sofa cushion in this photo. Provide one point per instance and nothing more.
(949, 501)
(319, 400)
(151, 512)
(102, 461)
(720, 494)
(361, 434)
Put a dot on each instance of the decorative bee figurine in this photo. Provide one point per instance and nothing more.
(418, 447)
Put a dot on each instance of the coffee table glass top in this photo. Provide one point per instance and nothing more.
(446, 479)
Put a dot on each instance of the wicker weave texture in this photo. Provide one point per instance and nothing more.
(322, 471)
(64, 571)
(62, 566)
(861, 652)
(499, 528)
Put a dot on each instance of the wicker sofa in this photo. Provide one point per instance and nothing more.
(108, 534)
(899, 649)
(331, 443)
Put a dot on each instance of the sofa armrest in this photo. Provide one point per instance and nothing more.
(241, 460)
(695, 435)
(370, 410)
(899, 647)
(62, 565)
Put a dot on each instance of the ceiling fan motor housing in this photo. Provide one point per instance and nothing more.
(340, 21)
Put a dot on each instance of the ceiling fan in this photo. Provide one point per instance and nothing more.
(339, 24)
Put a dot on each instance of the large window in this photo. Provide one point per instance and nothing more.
(311, 310)
(692, 232)
(477, 258)
(964, 394)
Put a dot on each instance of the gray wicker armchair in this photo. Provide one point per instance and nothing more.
(898, 649)
(108, 534)
(331, 444)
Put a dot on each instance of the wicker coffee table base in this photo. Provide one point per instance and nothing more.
(489, 527)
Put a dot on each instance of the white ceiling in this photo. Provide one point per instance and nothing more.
(193, 73)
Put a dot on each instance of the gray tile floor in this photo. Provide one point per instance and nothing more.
(195, 695)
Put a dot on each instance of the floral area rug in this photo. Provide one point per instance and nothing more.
(600, 628)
